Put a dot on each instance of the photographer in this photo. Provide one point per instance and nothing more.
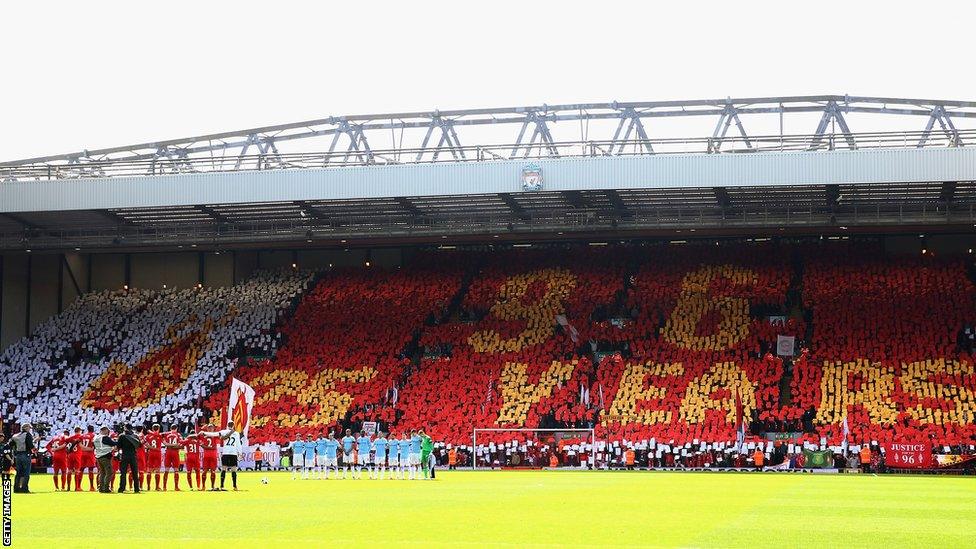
(23, 446)
(104, 444)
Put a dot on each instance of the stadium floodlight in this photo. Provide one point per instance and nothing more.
(518, 444)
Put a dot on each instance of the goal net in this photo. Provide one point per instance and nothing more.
(495, 448)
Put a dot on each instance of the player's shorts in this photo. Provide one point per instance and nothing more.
(87, 460)
(414, 459)
(321, 461)
(379, 460)
(154, 460)
(59, 464)
(141, 460)
(364, 459)
(115, 465)
(172, 460)
(310, 461)
(347, 458)
(298, 460)
(228, 460)
(210, 461)
(330, 461)
(73, 461)
(193, 464)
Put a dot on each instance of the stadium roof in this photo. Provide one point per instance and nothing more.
(328, 181)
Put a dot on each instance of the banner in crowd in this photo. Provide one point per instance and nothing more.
(818, 459)
(272, 456)
(240, 405)
(908, 455)
(784, 345)
(369, 427)
(954, 461)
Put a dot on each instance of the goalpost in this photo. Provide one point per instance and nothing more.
(542, 438)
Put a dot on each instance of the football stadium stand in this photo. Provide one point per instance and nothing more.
(673, 343)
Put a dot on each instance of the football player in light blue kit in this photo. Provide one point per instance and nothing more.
(297, 456)
(347, 443)
(404, 455)
(331, 455)
(309, 456)
(379, 460)
(414, 455)
(394, 456)
(320, 451)
(363, 447)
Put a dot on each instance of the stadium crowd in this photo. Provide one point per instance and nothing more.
(670, 354)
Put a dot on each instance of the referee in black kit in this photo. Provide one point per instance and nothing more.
(128, 444)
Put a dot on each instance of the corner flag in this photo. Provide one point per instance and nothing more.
(241, 403)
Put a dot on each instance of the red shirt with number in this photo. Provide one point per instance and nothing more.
(210, 446)
(59, 451)
(153, 441)
(192, 446)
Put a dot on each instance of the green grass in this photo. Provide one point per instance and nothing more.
(519, 509)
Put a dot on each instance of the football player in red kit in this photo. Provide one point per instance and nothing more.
(86, 461)
(58, 448)
(74, 459)
(192, 445)
(210, 447)
(153, 441)
(172, 442)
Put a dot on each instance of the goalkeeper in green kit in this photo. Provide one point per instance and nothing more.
(426, 449)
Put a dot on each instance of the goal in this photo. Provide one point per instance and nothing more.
(499, 448)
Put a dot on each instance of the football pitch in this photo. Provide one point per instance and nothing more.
(517, 509)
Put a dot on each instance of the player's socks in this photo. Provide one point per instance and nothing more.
(91, 481)
(233, 478)
(199, 480)
(57, 486)
(64, 481)
(189, 479)
(77, 481)
(213, 479)
(165, 480)
(142, 478)
(223, 475)
(176, 481)
(157, 481)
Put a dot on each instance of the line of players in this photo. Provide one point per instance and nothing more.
(407, 457)
(72, 455)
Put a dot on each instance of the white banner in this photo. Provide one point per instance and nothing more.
(241, 403)
(784, 345)
(272, 456)
(369, 427)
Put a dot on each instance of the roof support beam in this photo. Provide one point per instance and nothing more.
(722, 197)
(409, 206)
(214, 214)
(27, 225)
(948, 192)
(516, 208)
(618, 204)
(576, 199)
